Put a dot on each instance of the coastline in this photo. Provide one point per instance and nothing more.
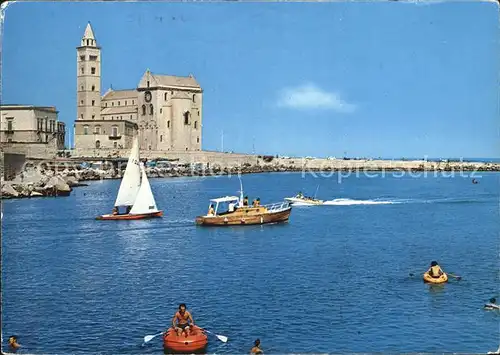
(48, 179)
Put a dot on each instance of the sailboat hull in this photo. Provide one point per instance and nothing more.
(129, 216)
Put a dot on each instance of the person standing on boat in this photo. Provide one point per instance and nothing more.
(435, 270)
(256, 349)
(211, 211)
(115, 210)
(181, 319)
(245, 201)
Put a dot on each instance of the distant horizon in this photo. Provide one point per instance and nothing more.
(291, 79)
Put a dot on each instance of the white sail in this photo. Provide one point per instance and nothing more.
(145, 201)
(131, 180)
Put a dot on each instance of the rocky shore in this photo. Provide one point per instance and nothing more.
(38, 182)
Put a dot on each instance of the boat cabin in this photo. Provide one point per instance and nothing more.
(227, 204)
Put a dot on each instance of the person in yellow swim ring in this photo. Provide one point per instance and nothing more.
(435, 270)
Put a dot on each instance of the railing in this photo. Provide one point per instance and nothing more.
(277, 207)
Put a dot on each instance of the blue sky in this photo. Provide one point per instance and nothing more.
(385, 79)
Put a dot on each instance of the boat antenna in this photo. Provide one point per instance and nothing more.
(316, 192)
(241, 190)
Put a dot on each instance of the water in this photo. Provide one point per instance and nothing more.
(333, 279)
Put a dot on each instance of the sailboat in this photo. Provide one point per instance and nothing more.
(135, 192)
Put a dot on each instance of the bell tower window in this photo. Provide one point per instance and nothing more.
(186, 117)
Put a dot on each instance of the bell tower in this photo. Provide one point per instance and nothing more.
(88, 77)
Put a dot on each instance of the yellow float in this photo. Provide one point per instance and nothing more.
(435, 280)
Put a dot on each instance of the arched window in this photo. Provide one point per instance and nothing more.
(115, 144)
(114, 131)
(186, 117)
(98, 144)
(97, 129)
(85, 130)
(150, 109)
(194, 97)
(93, 87)
(161, 138)
(195, 124)
(168, 124)
(166, 96)
(143, 110)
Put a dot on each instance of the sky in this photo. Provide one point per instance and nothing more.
(383, 79)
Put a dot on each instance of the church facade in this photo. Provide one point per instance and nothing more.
(164, 110)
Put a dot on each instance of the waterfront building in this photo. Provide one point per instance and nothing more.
(31, 130)
(164, 110)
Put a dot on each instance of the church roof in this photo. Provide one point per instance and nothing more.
(170, 80)
(120, 94)
(120, 110)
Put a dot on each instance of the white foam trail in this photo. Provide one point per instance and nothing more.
(350, 202)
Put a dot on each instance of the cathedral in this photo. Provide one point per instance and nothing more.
(165, 111)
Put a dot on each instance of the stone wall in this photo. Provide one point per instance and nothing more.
(223, 159)
(11, 165)
(32, 150)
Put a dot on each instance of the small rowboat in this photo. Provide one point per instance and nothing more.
(435, 280)
(195, 342)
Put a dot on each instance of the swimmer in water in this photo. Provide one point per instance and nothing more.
(492, 305)
(13, 344)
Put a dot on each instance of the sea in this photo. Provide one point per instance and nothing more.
(344, 277)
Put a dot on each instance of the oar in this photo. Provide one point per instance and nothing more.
(148, 338)
(220, 337)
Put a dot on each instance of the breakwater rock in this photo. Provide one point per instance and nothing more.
(37, 182)
(34, 184)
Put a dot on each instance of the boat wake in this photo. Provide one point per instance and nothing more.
(351, 202)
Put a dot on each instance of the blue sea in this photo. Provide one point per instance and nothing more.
(335, 278)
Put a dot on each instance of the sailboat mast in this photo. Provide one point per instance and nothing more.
(241, 190)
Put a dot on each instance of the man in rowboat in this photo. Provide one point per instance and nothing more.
(180, 321)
